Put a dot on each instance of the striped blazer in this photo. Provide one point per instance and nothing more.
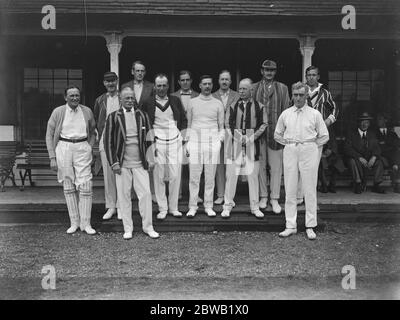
(115, 136)
(255, 121)
(325, 105)
(278, 100)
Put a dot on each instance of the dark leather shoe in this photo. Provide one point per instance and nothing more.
(363, 186)
(377, 189)
(358, 188)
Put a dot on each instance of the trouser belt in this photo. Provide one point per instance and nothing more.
(73, 140)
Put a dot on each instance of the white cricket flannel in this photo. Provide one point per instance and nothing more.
(301, 125)
(74, 124)
(205, 116)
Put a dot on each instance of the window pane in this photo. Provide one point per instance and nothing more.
(45, 73)
(30, 73)
(349, 90)
(30, 85)
(74, 82)
(59, 86)
(363, 91)
(46, 86)
(363, 75)
(75, 73)
(377, 75)
(335, 75)
(335, 87)
(60, 73)
(349, 75)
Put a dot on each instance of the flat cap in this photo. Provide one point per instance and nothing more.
(268, 64)
(110, 76)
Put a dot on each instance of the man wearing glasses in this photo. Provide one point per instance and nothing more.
(303, 132)
(274, 96)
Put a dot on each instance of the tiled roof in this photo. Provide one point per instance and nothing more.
(207, 7)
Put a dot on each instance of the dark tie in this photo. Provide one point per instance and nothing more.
(242, 120)
(364, 139)
(129, 110)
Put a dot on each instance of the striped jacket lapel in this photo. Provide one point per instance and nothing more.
(121, 121)
(320, 96)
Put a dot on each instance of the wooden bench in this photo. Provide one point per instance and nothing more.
(37, 158)
(8, 152)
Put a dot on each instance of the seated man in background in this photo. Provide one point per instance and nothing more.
(332, 162)
(363, 153)
(389, 142)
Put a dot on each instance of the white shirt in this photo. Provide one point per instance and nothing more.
(112, 103)
(383, 130)
(164, 124)
(224, 97)
(185, 98)
(74, 124)
(205, 119)
(138, 87)
(362, 132)
(300, 126)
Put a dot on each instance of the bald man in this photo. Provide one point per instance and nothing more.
(167, 116)
(246, 121)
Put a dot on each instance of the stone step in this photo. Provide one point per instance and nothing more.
(240, 220)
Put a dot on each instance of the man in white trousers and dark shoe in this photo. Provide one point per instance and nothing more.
(104, 105)
(274, 95)
(246, 123)
(205, 134)
(303, 132)
(70, 137)
(227, 96)
(127, 140)
(167, 118)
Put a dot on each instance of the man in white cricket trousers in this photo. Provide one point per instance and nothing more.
(205, 133)
(274, 95)
(303, 132)
(104, 105)
(228, 97)
(185, 93)
(127, 139)
(246, 123)
(167, 118)
(70, 137)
